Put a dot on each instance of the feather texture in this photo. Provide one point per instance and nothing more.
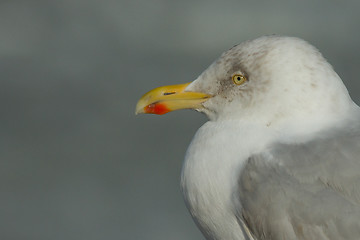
(307, 190)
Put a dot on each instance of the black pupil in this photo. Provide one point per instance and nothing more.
(238, 78)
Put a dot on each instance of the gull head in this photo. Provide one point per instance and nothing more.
(269, 80)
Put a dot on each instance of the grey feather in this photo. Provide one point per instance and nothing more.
(307, 190)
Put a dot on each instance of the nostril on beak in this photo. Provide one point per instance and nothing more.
(168, 93)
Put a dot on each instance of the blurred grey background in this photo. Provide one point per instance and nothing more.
(75, 162)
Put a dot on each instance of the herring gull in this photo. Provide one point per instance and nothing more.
(279, 157)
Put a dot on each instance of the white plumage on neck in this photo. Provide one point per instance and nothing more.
(209, 177)
(215, 159)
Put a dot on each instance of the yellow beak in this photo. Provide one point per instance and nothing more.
(165, 99)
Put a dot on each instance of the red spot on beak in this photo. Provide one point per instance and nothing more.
(156, 108)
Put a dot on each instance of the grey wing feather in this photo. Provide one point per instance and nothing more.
(304, 191)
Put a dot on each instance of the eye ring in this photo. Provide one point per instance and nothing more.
(238, 79)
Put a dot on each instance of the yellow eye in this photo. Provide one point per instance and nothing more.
(238, 79)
